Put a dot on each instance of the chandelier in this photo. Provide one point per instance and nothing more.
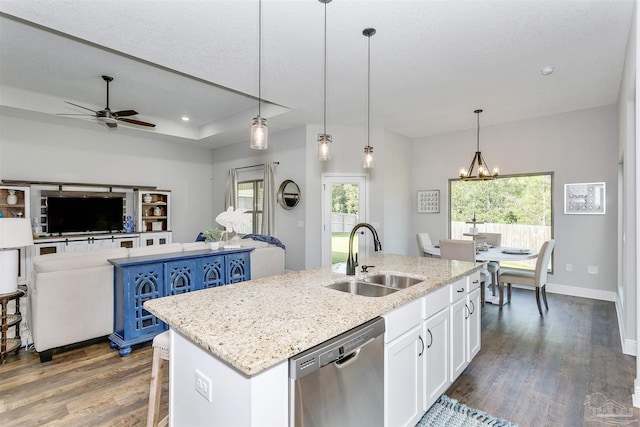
(478, 170)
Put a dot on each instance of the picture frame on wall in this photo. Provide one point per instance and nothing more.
(428, 201)
(585, 198)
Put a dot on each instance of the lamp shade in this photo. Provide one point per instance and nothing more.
(15, 233)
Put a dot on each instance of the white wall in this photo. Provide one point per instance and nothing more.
(288, 148)
(36, 150)
(578, 147)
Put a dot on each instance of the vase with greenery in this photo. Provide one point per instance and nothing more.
(212, 236)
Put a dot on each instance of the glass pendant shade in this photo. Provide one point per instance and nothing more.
(324, 147)
(367, 161)
(259, 134)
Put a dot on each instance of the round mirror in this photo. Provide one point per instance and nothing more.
(288, 194)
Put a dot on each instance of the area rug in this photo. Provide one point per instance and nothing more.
(451, 413)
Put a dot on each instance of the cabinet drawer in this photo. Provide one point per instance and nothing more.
(436, 301)
(403, 318)
(459, 289)
(473, 281)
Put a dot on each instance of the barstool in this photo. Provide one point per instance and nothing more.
(160, 352)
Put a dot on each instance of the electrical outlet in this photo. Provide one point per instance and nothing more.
(592, 269)
(203, 385)
(569, 267)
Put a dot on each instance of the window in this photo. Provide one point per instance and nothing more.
(517, 206)
(250, 198)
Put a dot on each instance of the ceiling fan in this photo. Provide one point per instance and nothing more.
(108, 117)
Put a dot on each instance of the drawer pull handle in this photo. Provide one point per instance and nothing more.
(460, 290)
(430, 335)
(476, 281)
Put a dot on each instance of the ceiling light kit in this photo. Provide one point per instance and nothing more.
(367, 162)
(324, 139)
(482, 171)
(259, 131)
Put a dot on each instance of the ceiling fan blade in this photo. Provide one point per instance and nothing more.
(80, 106)
(137, 122)
(125, 113)
(65, 114)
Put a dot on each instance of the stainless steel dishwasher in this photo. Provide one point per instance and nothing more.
(341, 381)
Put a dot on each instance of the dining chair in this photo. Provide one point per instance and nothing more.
(423, 240)
(463, 250)
(493, 267)
(537, 278)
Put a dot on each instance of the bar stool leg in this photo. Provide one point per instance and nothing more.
(155, 389)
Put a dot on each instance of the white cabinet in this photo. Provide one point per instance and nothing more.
(14, 203)
(458, 328)
(473, 317)
(44, 246)
(403, 365)
(436, 330)
(149, 239)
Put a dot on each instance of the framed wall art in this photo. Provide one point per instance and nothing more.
(586, 198)
(429, 201)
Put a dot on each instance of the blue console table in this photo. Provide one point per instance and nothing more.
(138, 279)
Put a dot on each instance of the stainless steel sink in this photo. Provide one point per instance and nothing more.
(362, 289)
(392, 280)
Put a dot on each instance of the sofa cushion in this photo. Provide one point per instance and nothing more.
(75, 261)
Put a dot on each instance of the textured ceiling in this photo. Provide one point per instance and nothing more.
(432, 62)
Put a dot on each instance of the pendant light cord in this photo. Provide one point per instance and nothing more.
(369, 90)
(325, 68)
(259, 56)
(478, 134)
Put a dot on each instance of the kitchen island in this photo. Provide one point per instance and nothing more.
(240, 336)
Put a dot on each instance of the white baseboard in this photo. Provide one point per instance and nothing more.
(629, 346)
(575, 291)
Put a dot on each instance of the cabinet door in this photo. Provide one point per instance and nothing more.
(458, 338)
(212, 271)
(181, 277)
(142, 283)
(238, 267)
(403, 379)
(436, 333)
(473, 324)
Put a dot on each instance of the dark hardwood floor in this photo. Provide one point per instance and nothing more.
(532, 371)
(541, 371)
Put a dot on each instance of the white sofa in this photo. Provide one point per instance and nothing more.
(71, 294)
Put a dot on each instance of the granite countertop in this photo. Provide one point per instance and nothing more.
(256, 324)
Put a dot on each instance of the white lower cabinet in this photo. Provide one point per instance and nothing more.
(458, 328)
(436, 332)
(473, 324)
(428, 343)
(403, 365)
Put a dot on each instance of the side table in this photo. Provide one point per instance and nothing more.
(7, 345)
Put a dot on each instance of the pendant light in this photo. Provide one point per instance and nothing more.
(481, 172)
(367, 161)
(259, 130)
(324, 139)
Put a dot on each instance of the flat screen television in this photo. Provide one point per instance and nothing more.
(81, 214)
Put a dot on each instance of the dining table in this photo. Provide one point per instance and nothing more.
(492, 253)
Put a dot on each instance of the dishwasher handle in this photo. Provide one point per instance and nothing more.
(348, 359)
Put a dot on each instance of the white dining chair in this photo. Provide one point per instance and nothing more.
(493, 267)
(423, 240)
(463, 250)
(536, 279)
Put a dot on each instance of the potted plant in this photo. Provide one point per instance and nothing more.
(212, 236)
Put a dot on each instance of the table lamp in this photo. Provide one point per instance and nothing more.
(14, 233)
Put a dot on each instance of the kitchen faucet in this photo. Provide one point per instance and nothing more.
(377, 246)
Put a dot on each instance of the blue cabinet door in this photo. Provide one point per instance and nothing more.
(212, 271)
(238, 267)
(182, 277)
